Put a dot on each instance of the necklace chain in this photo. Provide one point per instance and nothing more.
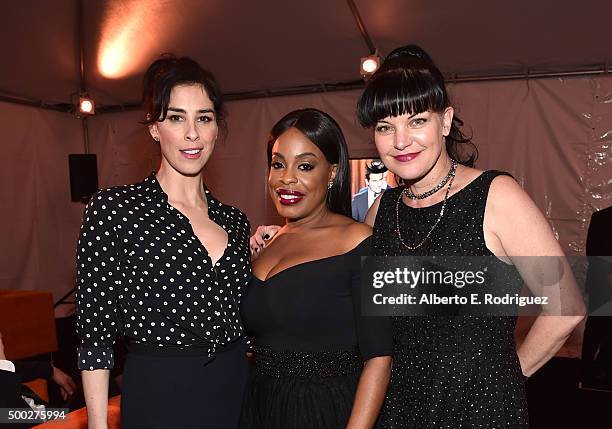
(450, 177)
(408, 193)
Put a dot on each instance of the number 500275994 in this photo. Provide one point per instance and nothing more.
(27, 415)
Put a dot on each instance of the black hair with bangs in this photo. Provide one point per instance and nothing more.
(408, 82)
(325, 133)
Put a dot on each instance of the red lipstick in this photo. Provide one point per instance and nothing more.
(406, 157)
(289, 197)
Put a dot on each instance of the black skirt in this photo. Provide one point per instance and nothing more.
(183, 391)
(300, 390)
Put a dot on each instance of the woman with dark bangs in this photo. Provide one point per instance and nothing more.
(459, 370)
(463, 369)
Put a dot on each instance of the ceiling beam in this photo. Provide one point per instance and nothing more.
(81, 45)
(40, 104)
(361, 26)
(602, 70)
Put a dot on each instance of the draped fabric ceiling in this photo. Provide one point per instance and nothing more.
(272, 44)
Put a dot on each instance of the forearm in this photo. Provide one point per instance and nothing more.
(371, 392)
(95, 388)
(545, 338)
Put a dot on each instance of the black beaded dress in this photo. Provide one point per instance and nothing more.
(456, 371)
(310, 340)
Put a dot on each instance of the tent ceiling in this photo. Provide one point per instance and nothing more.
(272, 44)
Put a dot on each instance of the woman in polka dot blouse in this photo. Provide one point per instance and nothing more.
(164, 264)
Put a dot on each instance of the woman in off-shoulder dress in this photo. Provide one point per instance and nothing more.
(318, 363)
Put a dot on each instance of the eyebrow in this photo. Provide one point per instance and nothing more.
(305, 154)
(299, 155)
(176, 109)
(409, 117)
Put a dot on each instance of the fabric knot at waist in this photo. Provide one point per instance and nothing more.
(280, 364)
(205, 351)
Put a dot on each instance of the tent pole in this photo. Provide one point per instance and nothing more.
(81, 45)
(361, 26)
(85, 134)
(82, 85)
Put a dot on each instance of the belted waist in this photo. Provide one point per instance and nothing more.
(279, 364)
(202, 350)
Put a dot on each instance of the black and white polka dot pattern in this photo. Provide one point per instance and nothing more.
(142, 273)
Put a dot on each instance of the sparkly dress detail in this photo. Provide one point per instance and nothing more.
(450, 371)
(310, 341)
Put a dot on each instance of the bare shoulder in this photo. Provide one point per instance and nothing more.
(359, 231)
(515, 219)
(350, 233)
(506, 192)
(507, 201)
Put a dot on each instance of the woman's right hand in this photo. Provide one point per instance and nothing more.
(262, 236)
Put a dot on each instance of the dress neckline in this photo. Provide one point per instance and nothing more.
(301, 264)
(470, 184)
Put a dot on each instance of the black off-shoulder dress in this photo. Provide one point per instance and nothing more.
(310, 342)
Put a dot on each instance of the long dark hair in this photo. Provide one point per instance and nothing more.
(325, 133)
(408, 82)
(168, 72)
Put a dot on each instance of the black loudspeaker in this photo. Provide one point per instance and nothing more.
(83, 176)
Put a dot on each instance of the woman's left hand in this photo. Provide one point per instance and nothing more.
(262, 236)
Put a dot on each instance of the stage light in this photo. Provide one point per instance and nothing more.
(369, 65)
(135, 32)
(86, 105)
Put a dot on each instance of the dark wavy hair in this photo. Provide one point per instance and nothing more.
(408, 82)
(168, 72)
(375, 167)
(322, 130)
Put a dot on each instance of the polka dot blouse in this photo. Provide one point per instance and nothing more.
(142, 273)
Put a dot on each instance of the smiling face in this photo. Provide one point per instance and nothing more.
(410, 145)
(299, 174)
(187, 135)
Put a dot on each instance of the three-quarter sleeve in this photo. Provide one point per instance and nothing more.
(374, 333)
(97, 283)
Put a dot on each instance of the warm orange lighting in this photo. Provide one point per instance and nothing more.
(125, 39)
(135, 32)
(86, 106)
